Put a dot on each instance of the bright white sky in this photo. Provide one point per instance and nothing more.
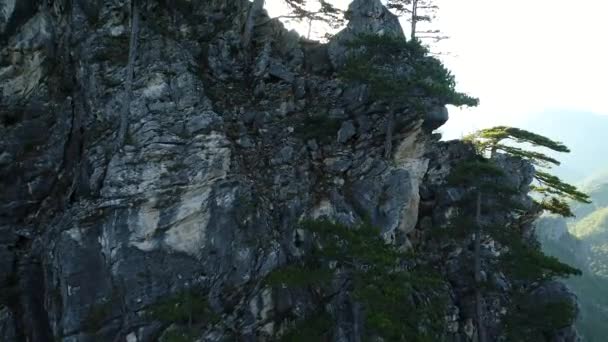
(521, 57)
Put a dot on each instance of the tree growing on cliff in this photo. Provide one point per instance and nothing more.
(128, 93)
(555, 194)
(299, 10)
(401, 74)
(418, 11)
(480, 176)
(325, 12)
(388, 292)
(483, 178)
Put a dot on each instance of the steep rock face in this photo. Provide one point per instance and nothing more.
(219, 164)
(440, 202)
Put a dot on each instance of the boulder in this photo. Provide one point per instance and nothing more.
(366, 17)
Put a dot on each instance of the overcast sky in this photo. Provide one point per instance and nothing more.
(522, 57)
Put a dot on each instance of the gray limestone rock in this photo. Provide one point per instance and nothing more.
(280, 71)
(365, 17)
(553, 292)
(284, 155)
(346, 132)
(436, 118)
(213, 180)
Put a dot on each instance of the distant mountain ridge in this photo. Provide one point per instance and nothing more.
(583, 242)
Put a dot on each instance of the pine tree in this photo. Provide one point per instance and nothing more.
(418, 11)
(555, 193)
(123, 128)
(326, 13)
(378, 61)
(483, 178)
(479, 176)
(299, 10)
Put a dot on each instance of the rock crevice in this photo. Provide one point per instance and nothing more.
(226, 152)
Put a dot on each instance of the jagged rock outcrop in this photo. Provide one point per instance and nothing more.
(219, 164)
(365, 17)
(442, 203)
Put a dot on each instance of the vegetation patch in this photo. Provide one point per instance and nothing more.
(524, 262)
(382, 284)
(397, 70)
(318, 127)
(187, 306)
(529, 321)
(317, 327)
(299, 275)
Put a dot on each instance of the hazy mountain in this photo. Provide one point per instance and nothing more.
(583, 242)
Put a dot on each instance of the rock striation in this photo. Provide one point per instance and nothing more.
(220, 163)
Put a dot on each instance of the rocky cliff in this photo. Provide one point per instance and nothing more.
(225, 152)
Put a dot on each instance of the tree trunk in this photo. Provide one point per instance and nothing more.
(481, 333)
(388, 142)
(254, 11)
(414, 18)
(126, 108)
(493, 151)
(309, 28)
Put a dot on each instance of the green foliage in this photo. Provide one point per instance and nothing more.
(378, 62)
(551, 185)
(394, 46)
(316, 328)
(183, 307)
(390, 309)
(530, 321)
(384, 288)
(484, 175)
(319, 127)
(522, 261)
(557, 193)
(326, 13)
(556, 206)
(525, 262)
(490, 138)
(299, 275)
(416, 12)
(554, 192)
(536, 158)
(362, 245)
(472, 172)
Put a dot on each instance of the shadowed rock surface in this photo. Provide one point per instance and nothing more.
(218, 167)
